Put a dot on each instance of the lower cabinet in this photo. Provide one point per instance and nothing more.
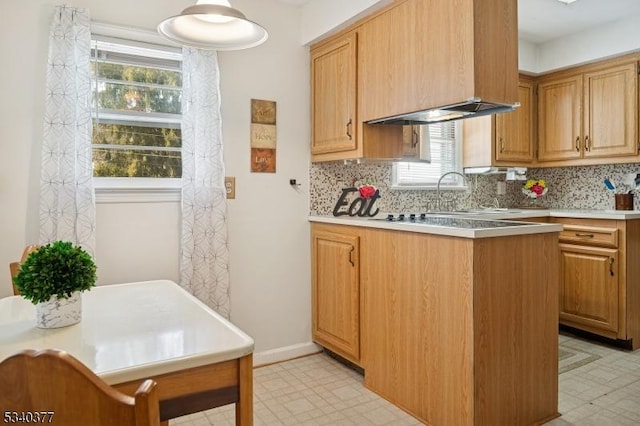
(443, 326)
(589, 286)
(600, 277)
(336, 291)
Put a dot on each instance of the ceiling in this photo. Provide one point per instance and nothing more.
(542, 20)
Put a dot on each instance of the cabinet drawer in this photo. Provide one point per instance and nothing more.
(589, 235)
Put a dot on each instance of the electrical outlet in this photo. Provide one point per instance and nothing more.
(230, 186)
(501, 188)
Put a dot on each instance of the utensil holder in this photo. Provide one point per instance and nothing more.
(624, 201)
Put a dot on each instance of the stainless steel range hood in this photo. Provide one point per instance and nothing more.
(474, 107)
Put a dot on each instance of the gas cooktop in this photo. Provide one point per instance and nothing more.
(445, 220)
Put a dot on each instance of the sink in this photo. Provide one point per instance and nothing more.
(492, 210)
(467, 212)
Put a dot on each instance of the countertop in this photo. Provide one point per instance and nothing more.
(482, 226)
(130, 331)
(486, 228)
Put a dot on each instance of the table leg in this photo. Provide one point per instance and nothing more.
(244, 406)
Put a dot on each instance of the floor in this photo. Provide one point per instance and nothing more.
(317, 390)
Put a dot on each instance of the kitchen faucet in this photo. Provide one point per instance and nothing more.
(464, 178)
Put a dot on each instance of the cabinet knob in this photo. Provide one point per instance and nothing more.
(501, 145)
(586, 143)
(349, 134)
(578, 144)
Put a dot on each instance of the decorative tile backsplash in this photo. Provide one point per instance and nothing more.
(569, 188)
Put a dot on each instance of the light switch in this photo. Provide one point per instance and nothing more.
(230, 186)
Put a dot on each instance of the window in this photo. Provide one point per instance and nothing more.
(137, 91)
(446, 147)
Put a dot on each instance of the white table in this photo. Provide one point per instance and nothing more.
(154, 329)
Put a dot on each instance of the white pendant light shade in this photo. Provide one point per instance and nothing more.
(213, 25)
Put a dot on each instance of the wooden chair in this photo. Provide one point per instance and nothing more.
(14, 267)
(51, 386)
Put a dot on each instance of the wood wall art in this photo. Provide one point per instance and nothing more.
(263, 136)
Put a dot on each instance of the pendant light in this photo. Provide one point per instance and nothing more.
(213, 25)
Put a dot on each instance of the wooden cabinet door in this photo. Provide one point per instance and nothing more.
(589, 287)
(336, 292)
(559, 118)
(333, 96)
(610, 112)
(514, 130)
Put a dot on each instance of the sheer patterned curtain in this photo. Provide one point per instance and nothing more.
(67, 203)
(204, 263)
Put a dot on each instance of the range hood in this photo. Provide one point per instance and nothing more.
(474, 107)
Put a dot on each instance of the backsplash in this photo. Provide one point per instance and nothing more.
(569, 188)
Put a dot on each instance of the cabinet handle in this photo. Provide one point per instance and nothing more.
(611, 260)
(586, 143)
(351, 256)
(578, 144)
(415, 138)
(582, 235)
(349, 134)
(501, 146)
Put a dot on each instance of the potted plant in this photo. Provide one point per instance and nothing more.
(52, 278)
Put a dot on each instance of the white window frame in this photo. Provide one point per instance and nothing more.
(450, 183)
(125, 189)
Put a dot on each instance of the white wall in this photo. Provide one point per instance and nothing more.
(268, 231)
(605, 41)
(323, 16)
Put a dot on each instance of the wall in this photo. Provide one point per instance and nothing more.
(569, 188)
(268, 231)
(320, 17)
(608, 40)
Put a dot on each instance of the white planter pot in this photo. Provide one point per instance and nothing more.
(56, 312)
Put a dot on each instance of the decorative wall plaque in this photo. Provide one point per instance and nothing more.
(362, 206)
(263, 136)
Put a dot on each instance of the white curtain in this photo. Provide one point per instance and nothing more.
(67, 203)
(204, 263)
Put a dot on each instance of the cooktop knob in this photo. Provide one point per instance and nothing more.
(412, 216)
(401, 217)
(390, 217)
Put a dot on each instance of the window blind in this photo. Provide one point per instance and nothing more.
(445, 153)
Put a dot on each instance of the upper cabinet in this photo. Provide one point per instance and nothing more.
(333, 91)
(337, 130)
(514, 130)
(425, 54)
(505, 139)
(589, 117)
(411, 56)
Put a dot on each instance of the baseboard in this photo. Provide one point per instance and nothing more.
(285, 353)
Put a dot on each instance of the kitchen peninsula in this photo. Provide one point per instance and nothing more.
(455, 322)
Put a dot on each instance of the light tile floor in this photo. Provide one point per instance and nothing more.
(317, 390)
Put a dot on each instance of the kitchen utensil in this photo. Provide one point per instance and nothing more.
(610, 186)
(630, 182)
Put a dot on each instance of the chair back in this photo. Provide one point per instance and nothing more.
(14, 267)
(51, 386)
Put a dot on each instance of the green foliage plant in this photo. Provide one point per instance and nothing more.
(56, 269)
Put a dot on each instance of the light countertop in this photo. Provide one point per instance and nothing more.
(522, 228)
(130, 331)
(486, 228)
